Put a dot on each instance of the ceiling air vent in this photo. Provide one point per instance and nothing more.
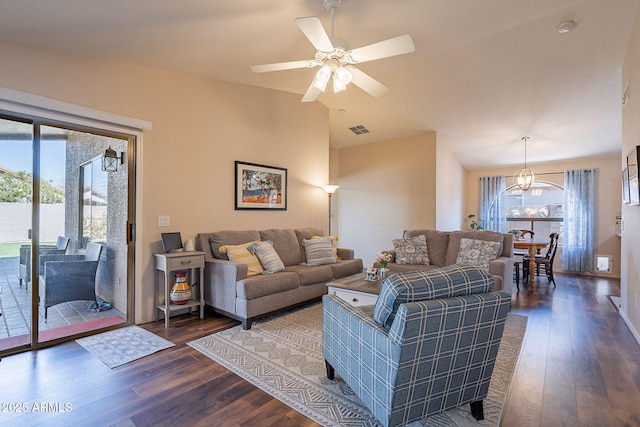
(359, 130)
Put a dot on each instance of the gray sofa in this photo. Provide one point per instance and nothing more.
(443, 247)
(230, 291)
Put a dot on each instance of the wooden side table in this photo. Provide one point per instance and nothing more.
(169, 264)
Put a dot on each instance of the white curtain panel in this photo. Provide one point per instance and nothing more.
(579, 220)
(493, 209)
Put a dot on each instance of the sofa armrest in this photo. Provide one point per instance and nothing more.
(344, 253)
(503, 267)
(220, 277)
(339, 322)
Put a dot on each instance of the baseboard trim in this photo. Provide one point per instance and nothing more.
(633, 330)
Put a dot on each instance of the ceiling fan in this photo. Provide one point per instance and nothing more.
(334, 57)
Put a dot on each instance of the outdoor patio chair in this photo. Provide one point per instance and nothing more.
(25, 257)
(430, 343)
(69, 277)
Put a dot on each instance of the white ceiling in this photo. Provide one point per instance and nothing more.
(485, 73)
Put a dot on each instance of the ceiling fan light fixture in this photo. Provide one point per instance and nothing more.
(322, 78)
(344, 75)
(341, 78)
(338, 85)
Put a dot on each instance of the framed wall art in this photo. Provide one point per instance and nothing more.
(260, 187)
(632, 169)
(625, 186)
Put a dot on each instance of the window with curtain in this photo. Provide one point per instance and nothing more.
(539, 209)
(579, 220)
(493, 208)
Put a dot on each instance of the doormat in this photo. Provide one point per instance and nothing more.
(120, 346)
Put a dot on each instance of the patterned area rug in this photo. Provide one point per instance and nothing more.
(123, 345)
(282, 355)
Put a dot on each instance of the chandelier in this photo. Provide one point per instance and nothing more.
(525, 177)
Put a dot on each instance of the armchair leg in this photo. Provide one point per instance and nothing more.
(477, 410)
(331, 373)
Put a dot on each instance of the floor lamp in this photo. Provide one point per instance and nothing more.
(330, 189)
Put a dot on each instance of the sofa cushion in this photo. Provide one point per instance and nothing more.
(478, 252)
(267, 255)
(240, 254)
(319, 251)
(444, 282)
(437, 242)
(311, 274)
(230, 237)
(259, 286)
(412, 250)
(456, 236)
(346, 267)
(285, 243)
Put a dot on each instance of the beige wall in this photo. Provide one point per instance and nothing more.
(385, 188)
(450, 187)
(630, 275)
(608, 187)
(200, 127)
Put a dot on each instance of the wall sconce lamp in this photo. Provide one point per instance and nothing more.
(110, 160)
(330, 189)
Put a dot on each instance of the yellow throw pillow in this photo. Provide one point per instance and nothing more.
(334, 244)
(241, 255)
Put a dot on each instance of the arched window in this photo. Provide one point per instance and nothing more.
(539, 209)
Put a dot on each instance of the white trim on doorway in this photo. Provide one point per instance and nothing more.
(47, 108)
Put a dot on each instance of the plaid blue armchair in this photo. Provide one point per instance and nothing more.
(430, 344)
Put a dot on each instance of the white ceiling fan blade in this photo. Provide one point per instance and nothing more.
(313, 29)
(311, 94)
(367, 83)
(384, 49)
(309, 63)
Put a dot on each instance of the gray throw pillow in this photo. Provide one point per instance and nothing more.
(319, 251)
(267, 255)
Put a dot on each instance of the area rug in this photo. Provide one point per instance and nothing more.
(282, 355)
(123, 345)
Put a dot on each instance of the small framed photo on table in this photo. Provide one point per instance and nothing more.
(260, 187)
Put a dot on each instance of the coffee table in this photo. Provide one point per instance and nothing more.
(355, 289)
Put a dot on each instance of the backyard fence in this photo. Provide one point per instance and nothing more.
(15, 222)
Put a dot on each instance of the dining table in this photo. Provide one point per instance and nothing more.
(533, 246)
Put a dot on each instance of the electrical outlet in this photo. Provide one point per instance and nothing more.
(164, 220)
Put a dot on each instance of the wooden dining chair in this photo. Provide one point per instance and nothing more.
(545, 260)
(523, 233)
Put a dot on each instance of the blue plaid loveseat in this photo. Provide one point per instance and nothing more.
(429, 345)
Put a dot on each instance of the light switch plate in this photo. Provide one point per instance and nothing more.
(164, 220)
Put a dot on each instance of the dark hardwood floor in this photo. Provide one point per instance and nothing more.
(580, 365)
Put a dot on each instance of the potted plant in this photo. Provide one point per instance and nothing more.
(475, 225)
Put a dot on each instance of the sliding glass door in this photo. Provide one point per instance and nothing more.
(64, 242)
